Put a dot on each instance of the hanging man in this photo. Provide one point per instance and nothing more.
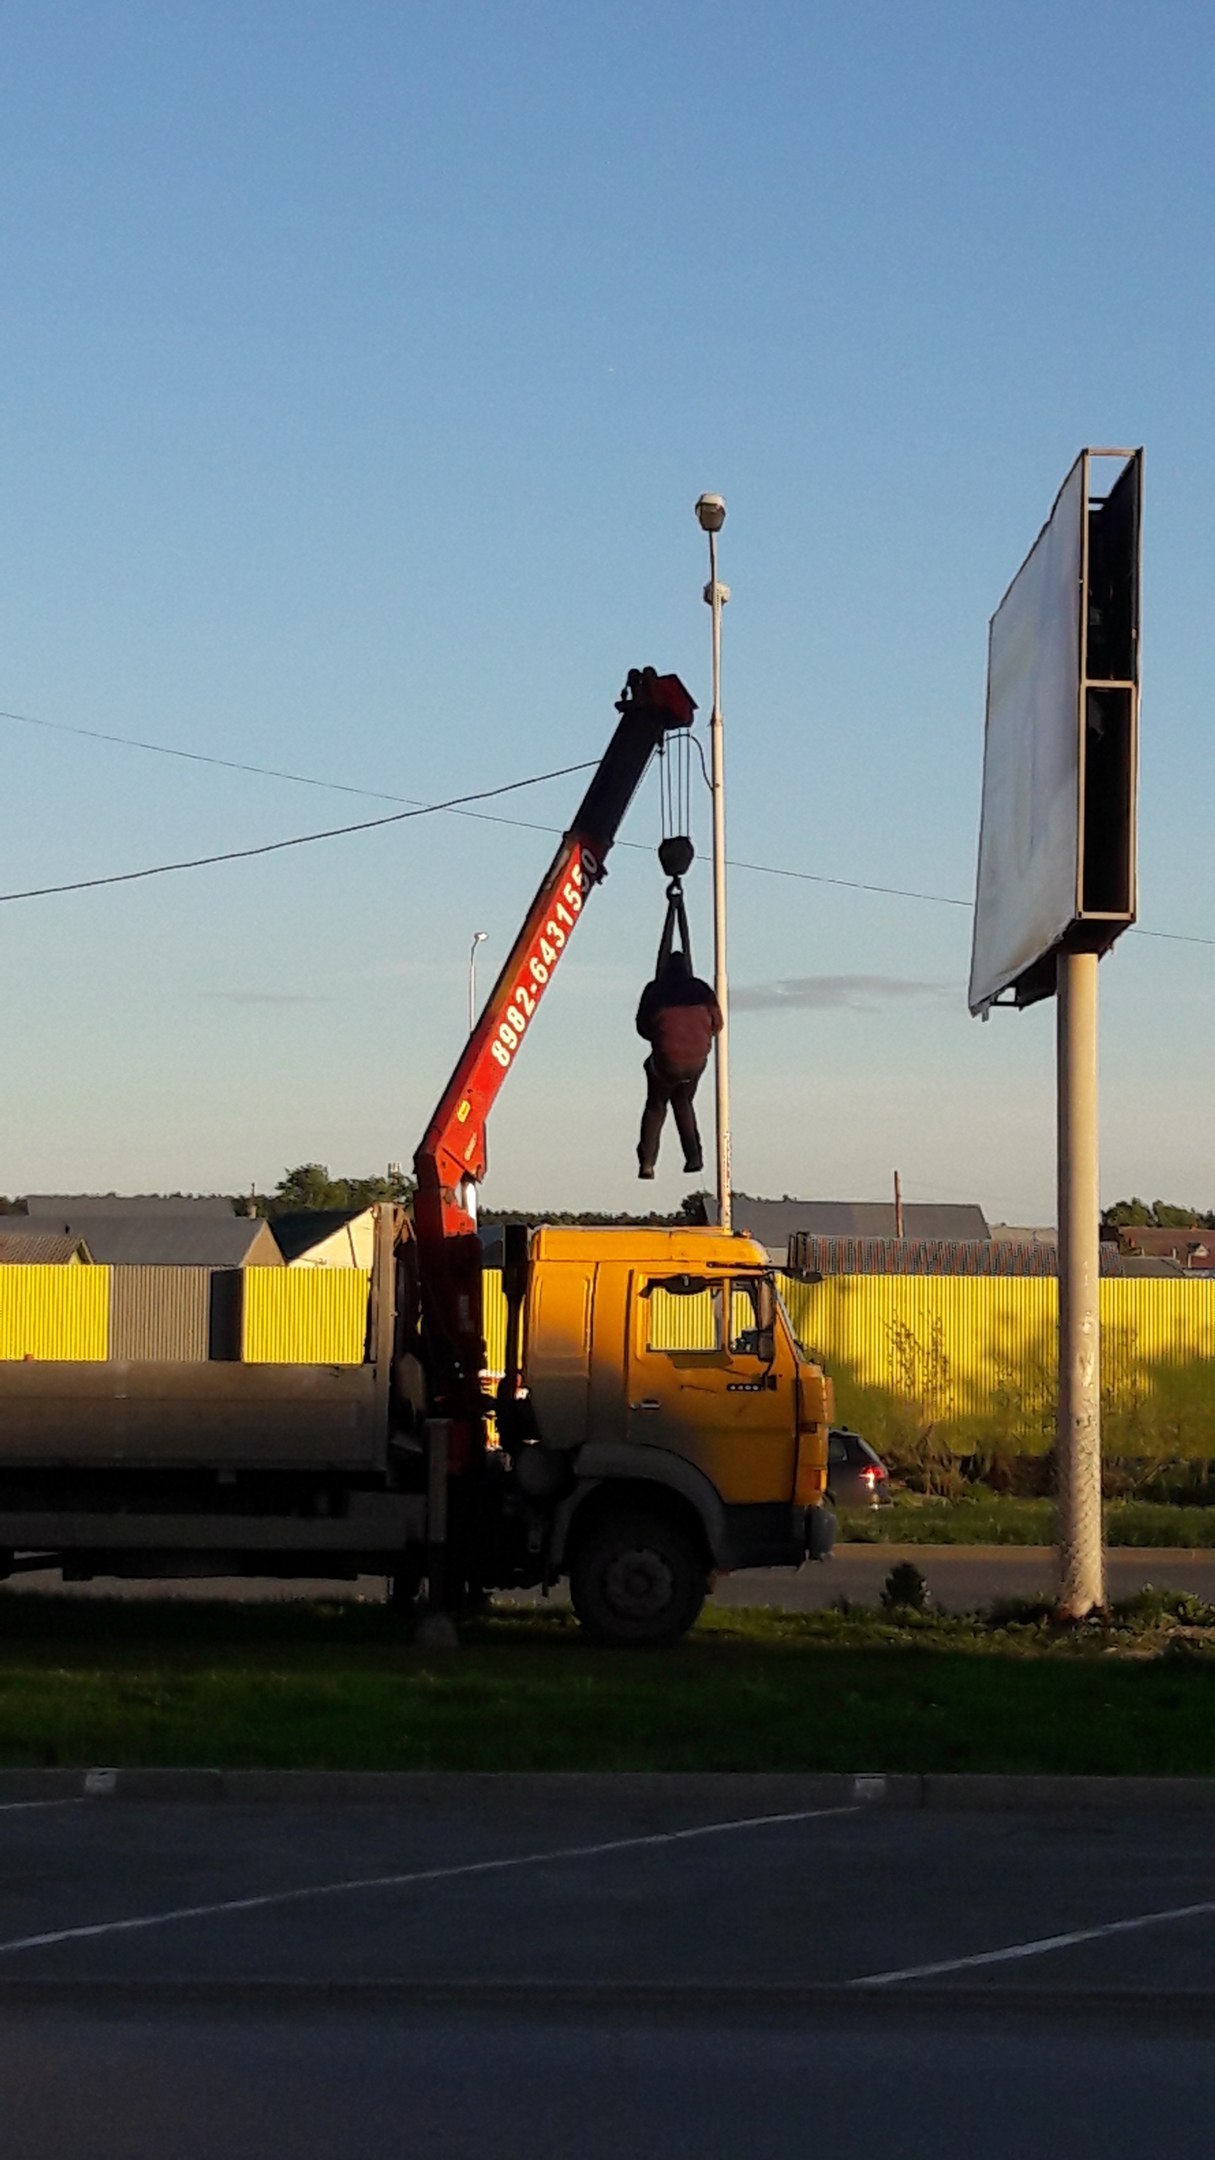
(678, 1016)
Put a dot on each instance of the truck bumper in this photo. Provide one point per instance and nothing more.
(770, 1534)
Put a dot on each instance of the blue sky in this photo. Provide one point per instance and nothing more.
(362, 367)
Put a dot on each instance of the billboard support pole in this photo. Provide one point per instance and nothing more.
(1078, 1431)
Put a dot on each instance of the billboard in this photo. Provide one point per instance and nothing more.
(1057, 827)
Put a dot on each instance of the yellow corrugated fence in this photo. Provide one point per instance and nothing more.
(304, 1316)
(973, 1358)
(970, 1358)
(54, 1312)
(291, 1316)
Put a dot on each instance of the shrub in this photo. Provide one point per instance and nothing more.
(905, 1589)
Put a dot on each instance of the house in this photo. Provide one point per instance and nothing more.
(1192, 1246)
(132, 1236)
(774, 1222)
(327, 1237)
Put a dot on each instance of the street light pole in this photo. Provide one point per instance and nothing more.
(479, 937)
(711, 513)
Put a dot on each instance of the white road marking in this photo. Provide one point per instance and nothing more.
(1015, 1951)
(13, 1807)
(417, 1875)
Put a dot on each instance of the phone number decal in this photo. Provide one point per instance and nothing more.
(547, 947)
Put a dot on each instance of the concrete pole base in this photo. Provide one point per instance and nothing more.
(1066, 1616)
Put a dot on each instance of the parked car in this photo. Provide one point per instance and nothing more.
(856, 1475)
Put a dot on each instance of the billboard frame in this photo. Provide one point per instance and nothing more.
(1100, 898)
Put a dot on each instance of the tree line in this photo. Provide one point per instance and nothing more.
(309, 1188)
(1157, 1215)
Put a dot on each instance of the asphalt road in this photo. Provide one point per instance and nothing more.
(584, 1967)
(961, 1578)
(463, 2087)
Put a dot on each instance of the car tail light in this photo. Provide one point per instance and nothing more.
(874, 1475)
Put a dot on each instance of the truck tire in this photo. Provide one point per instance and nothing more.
(637, 1579)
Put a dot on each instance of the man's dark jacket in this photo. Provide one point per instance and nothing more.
(679, 1017)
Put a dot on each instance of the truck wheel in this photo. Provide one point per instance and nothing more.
(637, 1580)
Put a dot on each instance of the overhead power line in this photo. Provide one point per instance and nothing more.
(456, 807)
(202, 757)
(274, 847)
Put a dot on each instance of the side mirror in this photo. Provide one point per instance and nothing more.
(765, 1306)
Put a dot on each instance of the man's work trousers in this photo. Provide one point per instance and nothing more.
(676, 1088)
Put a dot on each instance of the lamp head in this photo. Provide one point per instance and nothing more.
(711, 512)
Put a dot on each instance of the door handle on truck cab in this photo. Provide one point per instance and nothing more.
(651, 1402)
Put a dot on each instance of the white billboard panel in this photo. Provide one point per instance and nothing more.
(1029, 834)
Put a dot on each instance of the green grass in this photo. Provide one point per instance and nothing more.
(989, 1519)
(133, 1682)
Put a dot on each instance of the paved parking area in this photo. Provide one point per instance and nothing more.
(553, 1969)
(581, 1889)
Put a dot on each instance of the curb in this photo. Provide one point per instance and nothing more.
(761, 1792)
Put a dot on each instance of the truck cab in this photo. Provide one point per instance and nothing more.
(666, 1419)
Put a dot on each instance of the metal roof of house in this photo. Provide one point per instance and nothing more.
(73, 1205)
(39, 1248)
(818, 1256)
(173, 1240)
(774, 1222)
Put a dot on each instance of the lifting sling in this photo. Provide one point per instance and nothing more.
(676, 856)
(676, 852)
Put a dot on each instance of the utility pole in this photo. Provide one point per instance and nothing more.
(1078, 1431)
(711, 513)
(898, 1205)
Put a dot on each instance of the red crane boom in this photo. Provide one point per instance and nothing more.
(451, 1159)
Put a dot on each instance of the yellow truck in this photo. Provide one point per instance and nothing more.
(657, 1422)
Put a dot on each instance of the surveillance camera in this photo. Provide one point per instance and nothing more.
(711, 511)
